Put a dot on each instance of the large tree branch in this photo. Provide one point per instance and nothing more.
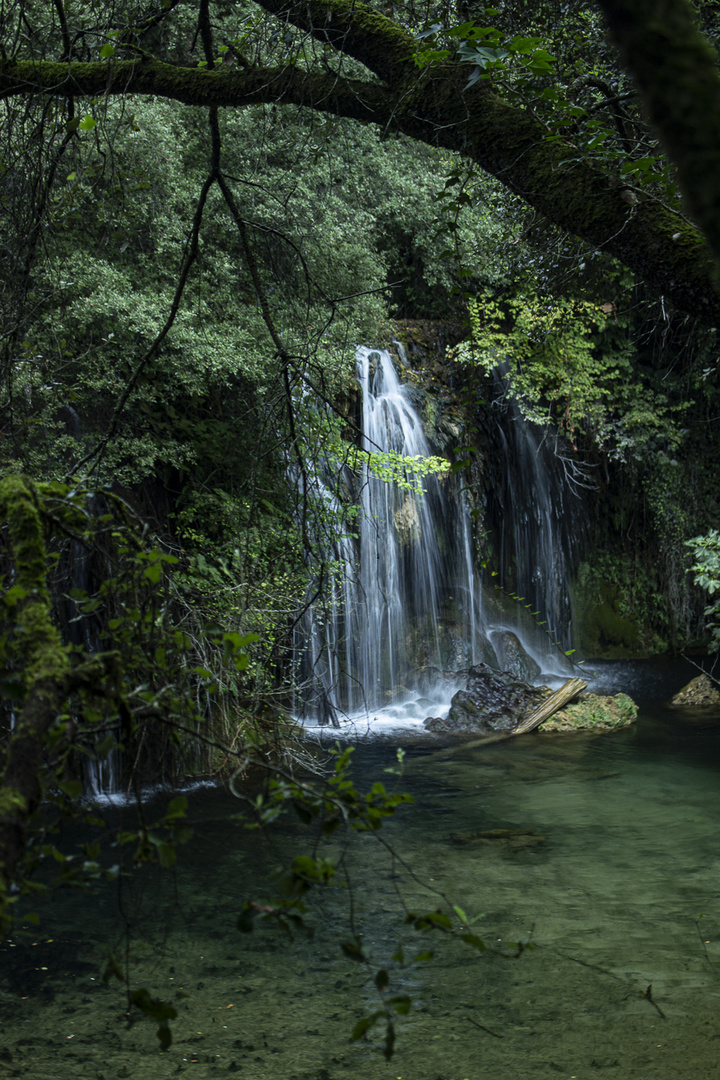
(194, 86)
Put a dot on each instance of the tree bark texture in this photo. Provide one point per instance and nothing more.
(676, 72)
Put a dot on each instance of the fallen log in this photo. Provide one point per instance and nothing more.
(550, 705)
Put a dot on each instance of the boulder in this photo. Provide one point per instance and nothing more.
(699, 692)
(492, 701)
(594, 712)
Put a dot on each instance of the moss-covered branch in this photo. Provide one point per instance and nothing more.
(196, 86)
(36, 641)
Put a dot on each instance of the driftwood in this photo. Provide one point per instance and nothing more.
(549, 707)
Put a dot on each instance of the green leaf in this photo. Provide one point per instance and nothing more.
(353, 951)
(107, 51)
(365, 1024)
(423, 957)
(87, 123)
(72, 788)
(474, 941)
(177, 807)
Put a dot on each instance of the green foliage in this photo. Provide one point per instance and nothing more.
(565, 362)
(404, 471)
(488, 50)
(622, 607)
(706, 568)
(561, 67)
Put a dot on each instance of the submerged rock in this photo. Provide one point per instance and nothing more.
(594, 712)
(512, 839)
(699, 692)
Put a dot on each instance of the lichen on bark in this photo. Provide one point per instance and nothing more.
(33, 643)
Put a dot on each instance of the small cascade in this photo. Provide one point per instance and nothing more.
(404, 608)
(536, 516)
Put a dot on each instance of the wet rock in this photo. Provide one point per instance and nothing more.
(513, 657)
(594, 712)
(699, 692)
(407, 522)
(492, 701)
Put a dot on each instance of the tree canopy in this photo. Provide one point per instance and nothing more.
(350, 60)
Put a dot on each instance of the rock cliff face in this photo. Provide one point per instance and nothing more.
(590, 559)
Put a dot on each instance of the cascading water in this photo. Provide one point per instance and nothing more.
(405, 609)
(536, 515)
(387, 627)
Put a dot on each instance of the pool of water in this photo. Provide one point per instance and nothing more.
(609, 867)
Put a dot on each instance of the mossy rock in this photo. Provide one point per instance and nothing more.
(700, 692)
(594, 712)
(604, 629)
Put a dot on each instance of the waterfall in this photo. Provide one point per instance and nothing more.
(404, 609)
(536, 516)
(383, 634)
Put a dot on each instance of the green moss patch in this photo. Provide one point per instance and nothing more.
(594, 712)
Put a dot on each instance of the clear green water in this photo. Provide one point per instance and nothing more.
(611, 897)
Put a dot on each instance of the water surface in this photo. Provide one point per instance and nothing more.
(612, 874)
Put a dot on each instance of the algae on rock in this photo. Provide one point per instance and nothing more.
(594, 712)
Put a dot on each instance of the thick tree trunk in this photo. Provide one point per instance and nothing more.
(35, 643)
(676, 71)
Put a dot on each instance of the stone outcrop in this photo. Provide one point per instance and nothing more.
(492, 701)
(701, 692)
(594, 712)
(495, 704)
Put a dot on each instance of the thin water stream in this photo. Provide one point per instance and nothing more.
(612, 871)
